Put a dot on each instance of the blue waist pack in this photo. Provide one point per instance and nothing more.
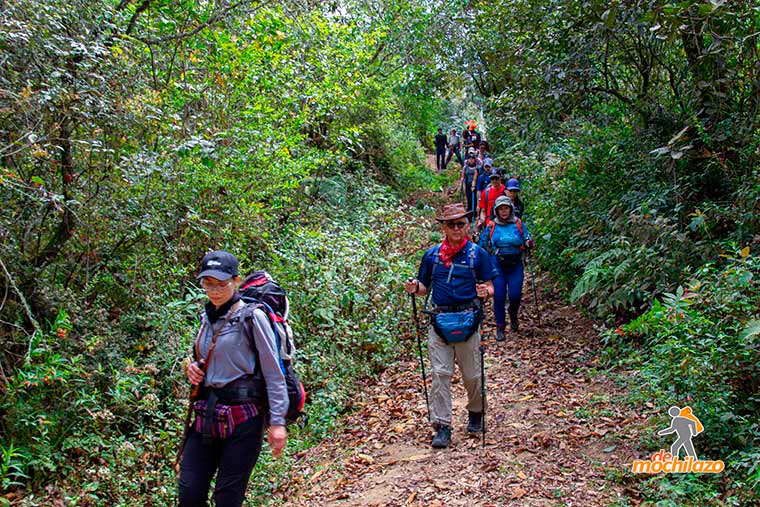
(457, 327)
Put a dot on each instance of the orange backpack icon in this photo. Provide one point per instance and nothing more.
(686, 412)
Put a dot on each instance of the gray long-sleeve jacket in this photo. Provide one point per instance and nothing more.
(234, 358)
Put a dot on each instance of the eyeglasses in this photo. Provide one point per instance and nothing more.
(456, 225)
(214, 287)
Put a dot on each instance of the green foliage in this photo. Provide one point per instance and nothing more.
(634, 128)
(702, 350)
(135, 137)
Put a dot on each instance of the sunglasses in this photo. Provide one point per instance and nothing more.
(456, 225)
(214, 287)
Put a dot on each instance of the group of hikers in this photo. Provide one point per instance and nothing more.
(458, 275)
(457, 143)
(243, 384)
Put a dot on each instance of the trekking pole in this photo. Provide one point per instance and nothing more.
(474, 207)
(483, 385)
(533, 283)
(419, 350)
(483, 377)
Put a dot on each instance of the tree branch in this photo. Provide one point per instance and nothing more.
(213, 19)
(133, 19)
(21, 298)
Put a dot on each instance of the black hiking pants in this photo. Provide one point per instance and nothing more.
(440, 159)
(232, 459)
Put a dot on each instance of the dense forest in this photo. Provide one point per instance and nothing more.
(136, 135)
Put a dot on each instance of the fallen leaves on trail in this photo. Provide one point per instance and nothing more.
(553, 431)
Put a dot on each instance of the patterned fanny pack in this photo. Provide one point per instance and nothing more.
(224, 419)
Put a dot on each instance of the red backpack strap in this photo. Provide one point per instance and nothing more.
(518, 223)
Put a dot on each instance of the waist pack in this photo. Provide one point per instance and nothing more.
(223, 420)
(509, 260)
(457, 327)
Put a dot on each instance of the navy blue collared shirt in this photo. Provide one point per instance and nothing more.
(455, 285)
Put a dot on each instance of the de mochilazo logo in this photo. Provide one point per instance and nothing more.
(686, 426)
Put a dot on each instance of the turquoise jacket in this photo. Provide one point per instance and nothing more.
(506, 239)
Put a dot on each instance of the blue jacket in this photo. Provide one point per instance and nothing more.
(506, 239)
(483, 180)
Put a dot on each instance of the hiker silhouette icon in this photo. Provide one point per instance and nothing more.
(685, 425)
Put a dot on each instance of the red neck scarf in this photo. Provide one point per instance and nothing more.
(448, 251)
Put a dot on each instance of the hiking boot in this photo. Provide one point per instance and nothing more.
(500, 334)
(475, 423)
(442, 438)
(513, 325)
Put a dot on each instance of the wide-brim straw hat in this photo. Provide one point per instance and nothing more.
(452, 212)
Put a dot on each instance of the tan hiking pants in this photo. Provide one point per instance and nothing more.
(442, 357)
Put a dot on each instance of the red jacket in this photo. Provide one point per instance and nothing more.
(487, 201)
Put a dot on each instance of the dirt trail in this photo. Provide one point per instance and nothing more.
(556, 435)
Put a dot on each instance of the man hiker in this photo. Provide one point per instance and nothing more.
(468, 179)
(440, 150)
(455, 274)
(454, 148)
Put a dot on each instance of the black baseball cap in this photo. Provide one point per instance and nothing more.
(219, 264)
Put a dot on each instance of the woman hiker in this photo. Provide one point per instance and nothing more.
(513, 192)
(455, 274)
(227, 442)
(505, 239)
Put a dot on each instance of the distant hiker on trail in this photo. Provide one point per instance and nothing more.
(484, 176)
(440, 150)
(225, 435)
(488, 198)
(474, 137)
(513, 192)
(466, 140)
(505, 239)
(454, 148)
(468, 178)
(454, 275)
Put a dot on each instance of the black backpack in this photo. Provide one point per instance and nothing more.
(260, 291)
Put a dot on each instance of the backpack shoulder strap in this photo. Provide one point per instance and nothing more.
(472, 255)
(518, 223)
(246, 319)
(436, 253)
